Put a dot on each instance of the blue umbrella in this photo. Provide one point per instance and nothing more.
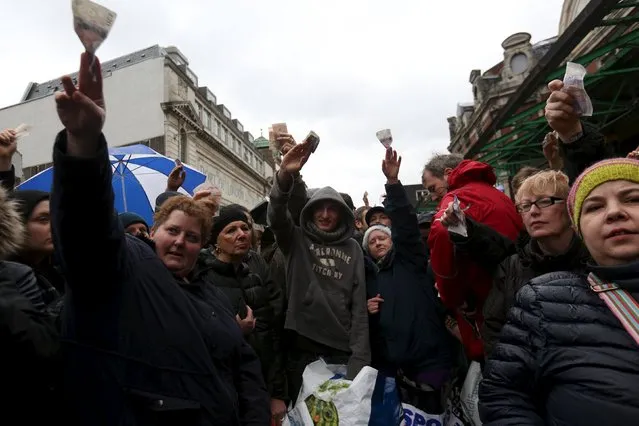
(139, 176)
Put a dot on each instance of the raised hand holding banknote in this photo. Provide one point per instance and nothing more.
(560, 113)
(81, 109)
(8, 146)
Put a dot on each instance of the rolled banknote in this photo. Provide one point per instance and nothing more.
(274, 131)
(574, 85)
(22, 131)
(92, 23)
(385, 137)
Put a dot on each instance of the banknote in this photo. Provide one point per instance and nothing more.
(385, 137)
(274, 131)
(92, 23)
(460, 228)
(574, 85)
(22, 131)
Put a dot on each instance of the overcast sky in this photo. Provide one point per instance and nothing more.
(342, 68)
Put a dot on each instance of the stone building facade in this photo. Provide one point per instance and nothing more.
(154, 98)
(492, 88)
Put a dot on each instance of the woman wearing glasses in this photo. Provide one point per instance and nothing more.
(553, 246)
(568, 353)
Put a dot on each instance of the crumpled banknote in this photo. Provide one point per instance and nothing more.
(574, 85)
(385, 137)
(460, 228)
(92, 23)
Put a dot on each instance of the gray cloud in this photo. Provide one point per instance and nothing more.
(343, 69)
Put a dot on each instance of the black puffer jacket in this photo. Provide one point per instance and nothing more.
(245, 288)
(30, 363)
(517, 270)
(564, 358)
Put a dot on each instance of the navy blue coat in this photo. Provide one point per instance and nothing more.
(141, 348)
(563, 357)
(409, 331)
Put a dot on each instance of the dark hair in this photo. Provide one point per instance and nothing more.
(348, 200)
(523, 174)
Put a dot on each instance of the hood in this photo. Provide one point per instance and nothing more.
(347, 217)
(471, 171)
(11, 226)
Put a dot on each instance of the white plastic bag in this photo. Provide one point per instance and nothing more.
(415, 417)
(326, 400)
(470, 393)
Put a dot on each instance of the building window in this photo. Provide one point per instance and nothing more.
(215, 128)
(218, 127)
(183, 149)
(208, 120)
(246, 154)
(199, 111)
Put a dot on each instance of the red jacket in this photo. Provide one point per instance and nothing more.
(459, 278)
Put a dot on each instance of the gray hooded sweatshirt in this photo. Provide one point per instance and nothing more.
(326, 284)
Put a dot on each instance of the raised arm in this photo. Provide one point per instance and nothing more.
(580, 144)
(279, 217)
(82, 197)
(405, 229)
(8, 145)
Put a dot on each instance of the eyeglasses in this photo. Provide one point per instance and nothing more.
(541, 203)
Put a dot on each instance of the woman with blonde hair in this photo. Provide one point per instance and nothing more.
(553, 246)
(568, 354)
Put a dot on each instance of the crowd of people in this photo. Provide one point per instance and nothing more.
(200, 319)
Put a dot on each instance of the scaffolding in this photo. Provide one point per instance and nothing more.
(516, 133)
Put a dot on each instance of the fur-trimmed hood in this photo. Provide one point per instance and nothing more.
(11, 226)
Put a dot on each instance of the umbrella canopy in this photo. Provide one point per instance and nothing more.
(139, 176)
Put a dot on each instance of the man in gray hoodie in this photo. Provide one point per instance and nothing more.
(326, 286)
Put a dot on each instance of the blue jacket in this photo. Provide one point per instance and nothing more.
(409, 331)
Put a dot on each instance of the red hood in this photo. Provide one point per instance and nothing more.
(471, 171)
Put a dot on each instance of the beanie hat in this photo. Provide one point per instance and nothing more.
(227, 215)
(385, 229)
(130, 218)
(27, 200)
(372, 211)
(161, 199)
(597, 174)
